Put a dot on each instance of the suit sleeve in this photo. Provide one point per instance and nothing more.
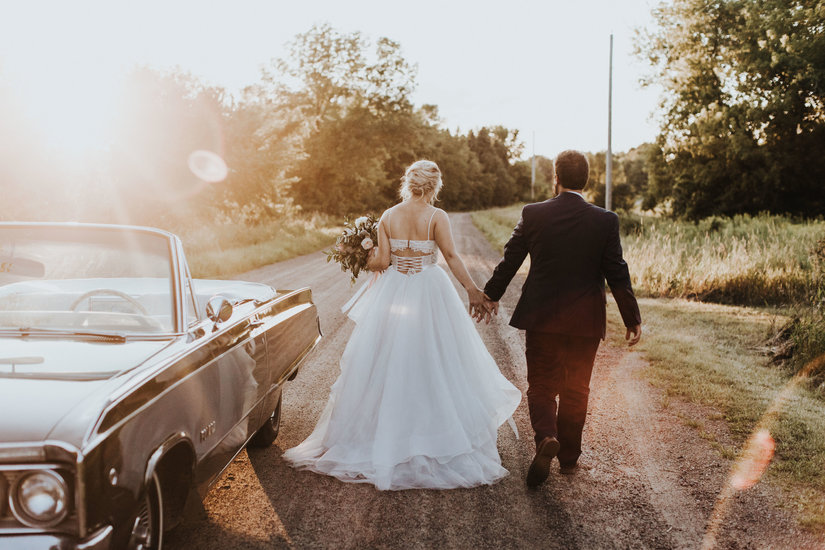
(514, 253)
(615, 271)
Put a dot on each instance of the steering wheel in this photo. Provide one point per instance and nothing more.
(138, 307)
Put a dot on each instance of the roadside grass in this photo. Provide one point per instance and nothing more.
(226, 249)
(744, 260)
(712, 354)
(497, 223)
(715, 354)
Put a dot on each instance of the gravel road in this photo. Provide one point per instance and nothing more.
(653, 481)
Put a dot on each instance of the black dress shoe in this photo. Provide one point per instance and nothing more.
(540, 468)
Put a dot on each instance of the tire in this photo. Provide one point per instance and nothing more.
(266, 434)
(147, 525)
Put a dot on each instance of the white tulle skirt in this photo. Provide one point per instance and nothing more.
(419, 400)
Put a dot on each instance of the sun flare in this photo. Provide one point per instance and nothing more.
(69, 104)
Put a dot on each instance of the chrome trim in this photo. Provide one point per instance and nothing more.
(177, 283)
(24, 466)
(138, 228)
(187, 276)
(92, 439)
(22, 516)
(48, 450)
(22, 451)
(80, 496)
(160, 526)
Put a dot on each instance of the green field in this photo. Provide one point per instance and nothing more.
(226, 249)
(715, 354)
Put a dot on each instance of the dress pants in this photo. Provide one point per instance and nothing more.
(559, 365)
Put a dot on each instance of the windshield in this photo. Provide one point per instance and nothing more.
(85, 279)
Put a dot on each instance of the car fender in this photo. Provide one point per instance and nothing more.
(158, 454)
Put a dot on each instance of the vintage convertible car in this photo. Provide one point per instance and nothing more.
(126, 386)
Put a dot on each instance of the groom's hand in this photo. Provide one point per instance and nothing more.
(633, 335)
(486, 312)
(493, 306)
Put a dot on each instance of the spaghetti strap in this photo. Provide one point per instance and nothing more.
(430, 223)
(387, 222)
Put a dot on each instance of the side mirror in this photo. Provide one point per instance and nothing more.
(218, 309)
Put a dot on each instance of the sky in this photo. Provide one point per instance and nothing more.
(539, 66)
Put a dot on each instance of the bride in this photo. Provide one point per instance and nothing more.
(419, 399)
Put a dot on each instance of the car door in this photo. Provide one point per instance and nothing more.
(233, 385)
(292, 330)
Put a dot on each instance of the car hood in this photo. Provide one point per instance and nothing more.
(44, 381)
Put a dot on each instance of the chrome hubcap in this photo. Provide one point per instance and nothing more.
(141, 536)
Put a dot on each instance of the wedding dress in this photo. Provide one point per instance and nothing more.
(419, 399)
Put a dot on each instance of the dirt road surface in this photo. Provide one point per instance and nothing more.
(653, 481)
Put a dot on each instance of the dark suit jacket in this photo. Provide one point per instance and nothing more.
(573, 247)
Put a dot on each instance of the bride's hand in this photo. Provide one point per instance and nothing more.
(476, 297)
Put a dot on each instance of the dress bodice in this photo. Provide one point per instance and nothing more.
(411, 256)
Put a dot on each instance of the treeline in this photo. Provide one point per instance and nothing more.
(330, 128)
(743, 114)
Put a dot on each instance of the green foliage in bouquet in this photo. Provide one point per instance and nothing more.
(353, 246)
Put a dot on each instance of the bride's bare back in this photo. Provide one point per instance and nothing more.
(413, 228)
(410, 222)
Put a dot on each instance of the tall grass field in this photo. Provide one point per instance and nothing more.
(761, 260)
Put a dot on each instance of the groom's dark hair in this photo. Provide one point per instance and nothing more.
(572, 169)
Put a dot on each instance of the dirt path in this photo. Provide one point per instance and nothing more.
(653, 481)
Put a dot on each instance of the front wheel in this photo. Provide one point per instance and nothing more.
(267, 433)
(147, 526)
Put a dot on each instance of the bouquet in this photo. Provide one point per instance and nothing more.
(353, 245)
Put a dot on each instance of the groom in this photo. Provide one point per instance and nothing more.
(574, 246)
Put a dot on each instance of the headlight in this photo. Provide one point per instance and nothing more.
(40, 499)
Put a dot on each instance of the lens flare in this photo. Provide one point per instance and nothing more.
(755, 460)
(757, 454)
(208, 166)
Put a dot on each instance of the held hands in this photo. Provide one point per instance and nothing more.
(481, 307)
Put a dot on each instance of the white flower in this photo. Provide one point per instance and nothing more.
(360, 221)
(367, 243)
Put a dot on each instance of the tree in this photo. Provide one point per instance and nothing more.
(497, 148)
(461, 171)
(743, 112)
(360, 130)
(354, 100)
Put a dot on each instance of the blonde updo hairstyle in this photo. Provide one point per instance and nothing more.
(422, 179)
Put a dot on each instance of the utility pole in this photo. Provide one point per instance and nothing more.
(608, 183)
(533, 168)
